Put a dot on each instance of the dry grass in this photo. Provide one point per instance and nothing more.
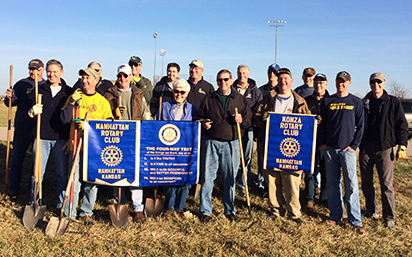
(258, 236)
(4, 114)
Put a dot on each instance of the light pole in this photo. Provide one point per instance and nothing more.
(278, 23)
(154, 73)
(163, 53)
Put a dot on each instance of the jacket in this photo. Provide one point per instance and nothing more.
(252, 95)
(161, 89)
(112, 96)
(393, 127)
(102, 86)
(52, 128)
(224, 127)
(268, 105)
(189, 111)
(198, 92)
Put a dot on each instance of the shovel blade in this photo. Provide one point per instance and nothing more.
(119, 215)
(33, 216)
(154, 207)
(63, 224)
(52, 226)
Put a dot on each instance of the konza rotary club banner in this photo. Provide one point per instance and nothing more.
(141, 153)
(290, 142)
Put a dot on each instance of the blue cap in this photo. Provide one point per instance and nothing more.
(274, 67)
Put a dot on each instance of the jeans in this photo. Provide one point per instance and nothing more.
(136, 195)
(176, 196)
(22, 139)
(335, 160)
(372, 156)
(312, 180)
(90, 193)
(260, 182)
(61, 163)
(247, 143)
(226, 155)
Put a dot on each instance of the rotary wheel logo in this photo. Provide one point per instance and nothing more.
(169, 134)
(289, 147)
(92, 108)
(111, 155)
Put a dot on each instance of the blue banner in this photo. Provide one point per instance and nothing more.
(141, 153)
(290, 142)
(169, 153)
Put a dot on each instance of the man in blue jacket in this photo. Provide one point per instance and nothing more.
(23, 124)
(340, 134)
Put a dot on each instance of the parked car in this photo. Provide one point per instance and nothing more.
(407, 107)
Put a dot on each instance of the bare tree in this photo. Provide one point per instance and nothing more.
(398, 90)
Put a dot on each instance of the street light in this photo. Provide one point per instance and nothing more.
(154, 73)
(163, 53)
(278, 23)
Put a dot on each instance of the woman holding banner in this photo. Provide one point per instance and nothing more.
(177, 109)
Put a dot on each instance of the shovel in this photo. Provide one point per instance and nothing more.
(33, 215)
(57, 227)
(154, 206)
(9, 134)
(118, 212)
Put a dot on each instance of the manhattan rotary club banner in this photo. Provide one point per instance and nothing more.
(141, 153)
(290, 142)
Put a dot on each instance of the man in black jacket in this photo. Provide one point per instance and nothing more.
(385, 127)
(221, 145)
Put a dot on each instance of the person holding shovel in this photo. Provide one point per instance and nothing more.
(87, 100)
(131, 106)
(53, 132)
(23, 124)
(177, 109)
(220, 148)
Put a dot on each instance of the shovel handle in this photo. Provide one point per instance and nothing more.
(9, 134)
(37, 164)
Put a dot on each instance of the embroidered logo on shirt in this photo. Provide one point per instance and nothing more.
(249, 95)
(201, 91)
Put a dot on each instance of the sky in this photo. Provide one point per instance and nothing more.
(360, 37)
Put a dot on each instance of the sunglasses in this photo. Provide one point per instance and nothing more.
(97, 70)
(179, 92)
(375, 81)
(131, 64)
(124, 76)
(225, 79)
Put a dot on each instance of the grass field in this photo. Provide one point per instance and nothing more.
(4, 114)
(174, 236)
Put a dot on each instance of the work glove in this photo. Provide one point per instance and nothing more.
(401, 153)
(77, 95)
(135, 80)
(66, 147)
(35, 110)
(80, 123)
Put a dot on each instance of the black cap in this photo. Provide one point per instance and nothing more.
(343, 75)
(135, 60)
(320, 76)
(36, 64)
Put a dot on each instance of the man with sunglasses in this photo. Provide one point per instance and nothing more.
(247, 87)
(199, 88)
(133, 106)
(385, 127)
(139, 80)
(220, 148)
(103, 85)
(23, 124)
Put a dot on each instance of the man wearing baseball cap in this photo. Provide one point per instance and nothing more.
(23, 124)
(340, 134)
(385, 127)
(86, 99)
(199, 88)
(307, 88)
(313, 187)
(139, 80)
(272, 79)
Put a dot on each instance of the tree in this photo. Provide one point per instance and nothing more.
(398, 90)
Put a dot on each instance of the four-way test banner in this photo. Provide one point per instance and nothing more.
(141, 153)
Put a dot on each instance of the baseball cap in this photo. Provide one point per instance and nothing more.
(196, 63)
(135, 60)
(343, 75)
(284, 71)
(274, 67)
(309, 71)
(320, 76)
(90, 72)
(36, 64)
(377, 76)
(125, 68)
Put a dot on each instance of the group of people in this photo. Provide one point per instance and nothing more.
(375, 124)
